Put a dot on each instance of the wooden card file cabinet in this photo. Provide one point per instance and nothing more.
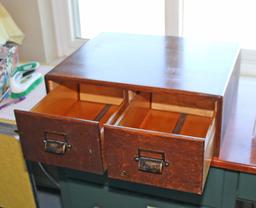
(147, 109)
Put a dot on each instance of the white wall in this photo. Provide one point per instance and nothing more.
(34, 17)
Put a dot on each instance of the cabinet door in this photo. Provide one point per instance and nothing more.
(81, 194)
(247, 186)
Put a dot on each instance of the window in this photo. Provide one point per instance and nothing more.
(133, 16)
(224, 20)
(76, 20)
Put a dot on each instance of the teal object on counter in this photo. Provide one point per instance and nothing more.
(25, 79)
(33, 65)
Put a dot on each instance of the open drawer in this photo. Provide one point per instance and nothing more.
(66, 127)
(157, 142)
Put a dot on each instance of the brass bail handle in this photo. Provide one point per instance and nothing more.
(150, 164)
(53, 145)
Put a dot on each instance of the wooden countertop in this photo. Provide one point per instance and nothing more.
(238, 149)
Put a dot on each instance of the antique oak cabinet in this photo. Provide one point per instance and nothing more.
(149, 110)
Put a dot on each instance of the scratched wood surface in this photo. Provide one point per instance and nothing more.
(156, 63)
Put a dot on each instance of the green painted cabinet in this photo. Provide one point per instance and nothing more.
(247, 187)
(223, 187)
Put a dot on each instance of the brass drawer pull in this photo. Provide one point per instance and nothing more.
(55, 146)
(149, 164)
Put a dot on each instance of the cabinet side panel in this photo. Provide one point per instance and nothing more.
(229, 98)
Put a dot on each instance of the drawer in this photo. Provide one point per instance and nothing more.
(163, 140)
(66, 127)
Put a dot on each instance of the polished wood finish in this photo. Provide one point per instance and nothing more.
(101, 94)
(141, 127)
(58, 101)
(85, 110)
(151, 63)
(224, 105)
(62, 112)
(196, 126)
(184, 100)
(140, 114)
(64, 101)
(209, 147)
(139, 107)
(238, 150)
(207, 71)
(184, 155)
(180, 109)
(165, 94)
(83, 136)
(162, 121)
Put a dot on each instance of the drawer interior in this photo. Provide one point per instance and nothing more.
(154, 112)
(83, 101)
(68, 125)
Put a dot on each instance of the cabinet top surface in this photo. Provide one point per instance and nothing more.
(152, 62)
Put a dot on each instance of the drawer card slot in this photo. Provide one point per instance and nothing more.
(102, 112)
(179, 123)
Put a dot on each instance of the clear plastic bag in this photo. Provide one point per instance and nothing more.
(9, 31)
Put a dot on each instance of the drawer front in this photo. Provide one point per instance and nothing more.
(60, 141)
(153, 158)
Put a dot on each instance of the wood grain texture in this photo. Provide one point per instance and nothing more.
(101, 94)
(72, 100)
(140, 115)
(162, 121)
(84, 136)
(209, 147)
(84, 110)
(202, 102)
(196, 126)
(151, 63)
(238, 149)
(185, 157)
(50, 85)
(153, 131)
(111, 111)
(167, 71)
(227, 104)
(63, 111)
(58, 101)
(182, 109)
(180, 68)
(136, 111)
